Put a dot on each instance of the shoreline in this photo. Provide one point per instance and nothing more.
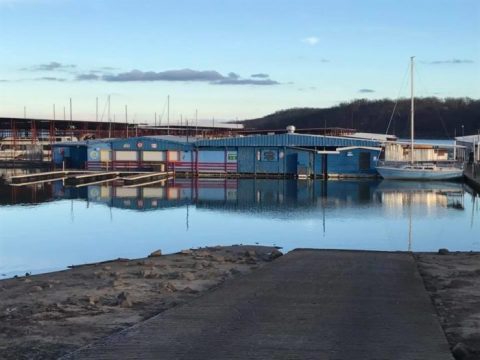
(51, 314)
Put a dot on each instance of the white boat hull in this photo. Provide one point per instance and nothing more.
(400, 173)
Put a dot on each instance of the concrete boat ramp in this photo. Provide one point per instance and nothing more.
(308, 304)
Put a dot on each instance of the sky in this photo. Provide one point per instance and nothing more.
(229, 59)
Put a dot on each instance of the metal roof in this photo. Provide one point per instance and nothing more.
(286, 140)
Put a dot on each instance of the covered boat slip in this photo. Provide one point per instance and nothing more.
(282, 155)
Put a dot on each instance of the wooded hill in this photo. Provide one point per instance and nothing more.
(434, 117)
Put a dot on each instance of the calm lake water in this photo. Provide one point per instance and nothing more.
(48, 227)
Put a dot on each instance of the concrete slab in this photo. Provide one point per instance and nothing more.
(309, 304)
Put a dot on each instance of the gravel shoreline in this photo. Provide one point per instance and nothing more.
(452, 280)
(48, 315)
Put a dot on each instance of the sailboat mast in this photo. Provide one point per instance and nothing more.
(412, 110)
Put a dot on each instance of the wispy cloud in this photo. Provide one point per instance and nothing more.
(228, 81)
(311, 40)
(87, 76)
(51, 66)
(260, 75)
(366, 91)
(50, 78)
(450, 61)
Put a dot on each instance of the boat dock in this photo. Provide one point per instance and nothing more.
(308, 304)
(79, 178)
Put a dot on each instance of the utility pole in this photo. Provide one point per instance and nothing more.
(109, 120)
(126, 119)
(168, 115)
(53, 112)
(196, 122)
(71, 119)
(96, 109)
(64, 114)
(155, 119)
(412, 110)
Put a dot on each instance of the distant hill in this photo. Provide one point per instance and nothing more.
(434, 117)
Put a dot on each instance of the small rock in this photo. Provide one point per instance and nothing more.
(107, 268)
(198, 266)
(461, 351)
(92, 299)
(234, 271)
(188, 276)
(37, 288)
(443, 251)
(27, 281)
(147, 274)
(97, 274)
(189, 290)
(117, 283)
(218, 258)
(115, 274)
(156, 253)
(170, 287)
(275, 254)
(186, 252)
(124, 300)
(250, 253)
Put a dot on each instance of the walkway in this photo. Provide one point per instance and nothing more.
(309, 304)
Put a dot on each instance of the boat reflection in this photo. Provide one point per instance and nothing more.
(429, 195)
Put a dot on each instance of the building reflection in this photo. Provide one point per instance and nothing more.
(250, 195)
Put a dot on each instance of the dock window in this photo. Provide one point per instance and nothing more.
(269, 155)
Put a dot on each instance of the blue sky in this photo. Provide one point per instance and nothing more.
(302, 53)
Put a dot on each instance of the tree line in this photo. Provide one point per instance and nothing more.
(434, 117)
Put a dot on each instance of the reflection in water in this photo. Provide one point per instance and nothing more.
(103, 221)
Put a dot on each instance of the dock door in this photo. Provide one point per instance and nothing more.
(364, 161)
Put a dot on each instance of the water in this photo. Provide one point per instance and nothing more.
(48, 227)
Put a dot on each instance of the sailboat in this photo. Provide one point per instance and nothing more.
(413, 170)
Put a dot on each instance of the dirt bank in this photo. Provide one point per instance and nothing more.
(46, 316)
(453, 282)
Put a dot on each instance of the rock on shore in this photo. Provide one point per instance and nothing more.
(49, 315)
(453, 281)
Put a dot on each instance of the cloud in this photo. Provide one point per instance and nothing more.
(260, 75)
(323, 60)
(210, 76)
(88, 76)
(366, 91)
(311, 40)
(50, 78)
(169, 75)
(451, 61)
(245, 82)
(51, 66)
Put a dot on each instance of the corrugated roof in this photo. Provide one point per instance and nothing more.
(287, 140)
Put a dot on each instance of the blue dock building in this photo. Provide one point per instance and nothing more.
(276, 155)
